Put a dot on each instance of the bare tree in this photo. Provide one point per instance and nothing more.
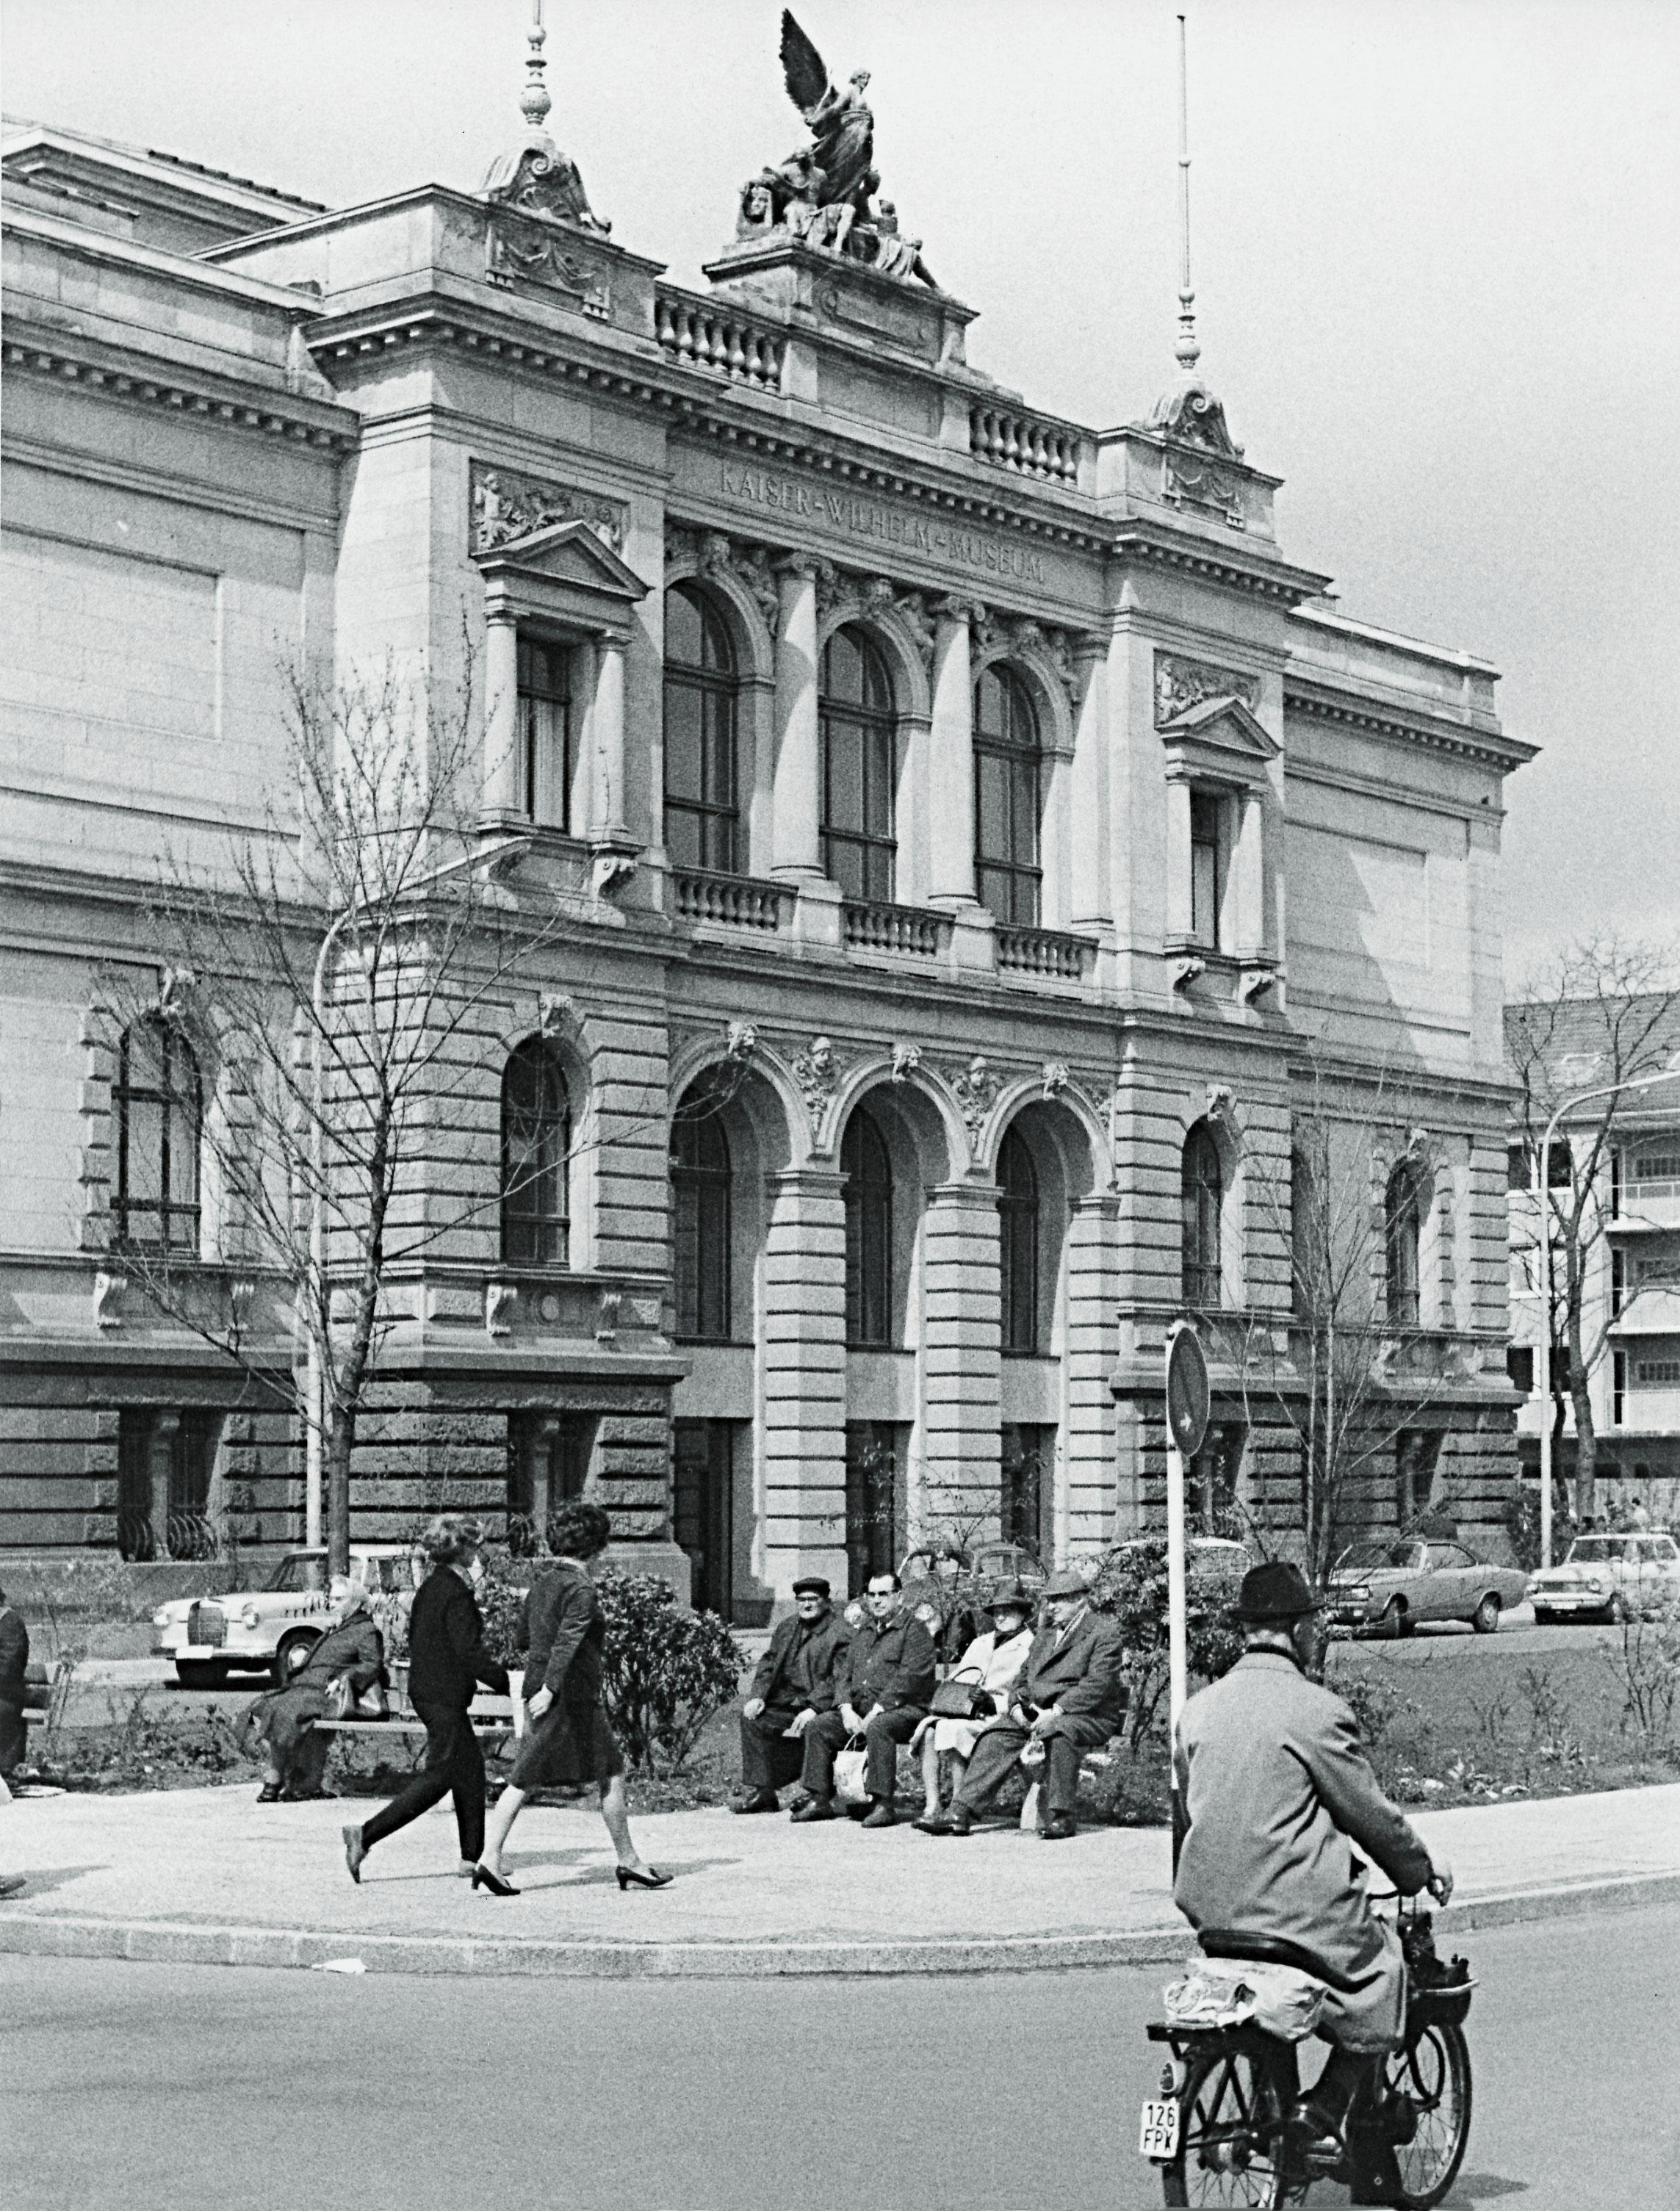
(1605, 1015)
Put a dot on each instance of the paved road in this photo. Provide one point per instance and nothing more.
(148, 2086)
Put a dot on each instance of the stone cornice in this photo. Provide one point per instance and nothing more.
(1325, 702)
(1244, 568)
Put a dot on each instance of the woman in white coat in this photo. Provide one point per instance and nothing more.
(993, 1663)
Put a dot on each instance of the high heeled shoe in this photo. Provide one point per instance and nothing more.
(649, 1877)
(483, 1878)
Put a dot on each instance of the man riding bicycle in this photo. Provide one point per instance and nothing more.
(1276, 1785)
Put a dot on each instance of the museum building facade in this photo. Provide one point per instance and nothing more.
(918, 779)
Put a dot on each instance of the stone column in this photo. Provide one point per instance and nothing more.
(951, 762)
(539, 1446)
(607, 815)
(160, 1466)
(962, 1390)
(582, 799)
(1092, 1345)
(503, 769)
(1180, 905)
(802, 1369)
(798, 750)
(1090, 904)
(1245, 898)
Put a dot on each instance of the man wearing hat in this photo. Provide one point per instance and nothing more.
(795, 1682)
(1070, 1698)
(1270, 1771)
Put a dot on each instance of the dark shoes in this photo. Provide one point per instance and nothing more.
(882, 1815)
(355, 1851)
(268, 1794)
(1057, 1827)
(959, 1820)
(931, 1823)
(820, 1808)
(757, 1800)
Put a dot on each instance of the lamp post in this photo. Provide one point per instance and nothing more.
(1188, 1402)
(315, 1382)
(1569, 1104)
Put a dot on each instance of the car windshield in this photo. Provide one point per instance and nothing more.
(1594, 1549)
(302, 1571)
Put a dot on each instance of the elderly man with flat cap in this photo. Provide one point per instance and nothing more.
(1070, 1698)
(795, 1684)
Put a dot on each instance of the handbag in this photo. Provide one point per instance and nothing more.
(849, 1773)
(955, 1699)
(343, 1704)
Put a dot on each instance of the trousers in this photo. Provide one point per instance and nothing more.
(769, 1758)
(827, 1735)
(1072, 1735)
(454, 1766)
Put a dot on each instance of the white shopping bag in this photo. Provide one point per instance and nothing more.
(849, 1773)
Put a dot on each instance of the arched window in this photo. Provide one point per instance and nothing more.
(159, 1110)
(859, 767)
(1007, 798)
(699, 1174)
(535, 1142)
(1203, 1198)
(1401, 1224)
(702, 804)
(869, 1232)
(1018, 1242)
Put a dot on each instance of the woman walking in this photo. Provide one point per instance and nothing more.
(569, 1739)
(447, 1661)
(352, 1651)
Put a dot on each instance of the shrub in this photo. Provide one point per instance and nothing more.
(1522, 1521)
(1131, 1586)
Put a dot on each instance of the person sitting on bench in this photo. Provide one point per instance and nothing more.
(885, 1690)
(794, 1686)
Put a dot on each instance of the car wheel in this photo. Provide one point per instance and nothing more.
(1485, 1617)
(1616, 1611)
(292, 1653)
(201, 1674)
(1396, 1620)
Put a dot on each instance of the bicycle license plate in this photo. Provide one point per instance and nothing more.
(1158, 2136)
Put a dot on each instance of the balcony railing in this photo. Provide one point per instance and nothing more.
(1029, 447)
(1044, 953)
(728, 901)
(704, 336)
(872, 927)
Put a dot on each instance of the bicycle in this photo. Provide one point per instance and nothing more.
(1222, 2131)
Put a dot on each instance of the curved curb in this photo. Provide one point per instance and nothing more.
(32, 1935)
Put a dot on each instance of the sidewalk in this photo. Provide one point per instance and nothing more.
(208, 1876)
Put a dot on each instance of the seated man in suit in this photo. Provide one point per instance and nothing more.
(13, 1689)
(885, 1687)
(1070, 1698)
(794, 1684)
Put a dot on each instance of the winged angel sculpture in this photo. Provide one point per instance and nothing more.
(821, 193)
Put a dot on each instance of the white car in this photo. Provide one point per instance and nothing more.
(1606, 1577)
(272, 1630)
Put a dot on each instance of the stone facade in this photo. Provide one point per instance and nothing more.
(241, 430)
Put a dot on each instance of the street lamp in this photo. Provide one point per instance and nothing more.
(1582, 1098)
(315, 1385)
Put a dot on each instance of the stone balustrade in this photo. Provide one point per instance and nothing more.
(1044, 954)
(728, 901)
(702, 335)
(1031, 447)
(870, 926)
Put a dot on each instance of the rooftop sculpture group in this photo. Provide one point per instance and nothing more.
(820, 194)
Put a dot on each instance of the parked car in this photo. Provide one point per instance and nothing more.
(1606, 1577)
(272, 1630)
(1393, 1585)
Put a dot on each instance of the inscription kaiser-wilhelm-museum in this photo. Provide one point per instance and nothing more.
(855, 515)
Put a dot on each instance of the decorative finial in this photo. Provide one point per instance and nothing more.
(534, 100)
(1187, 351)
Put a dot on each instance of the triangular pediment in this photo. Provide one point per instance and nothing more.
(570, 553)
(1222, 724)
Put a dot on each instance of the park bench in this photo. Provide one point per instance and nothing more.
(491, 1718)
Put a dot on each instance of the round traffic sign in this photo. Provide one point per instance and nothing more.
(1188, 1396)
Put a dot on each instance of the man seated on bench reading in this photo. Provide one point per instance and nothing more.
(1070, 1699)
(794, 1684)
(884, 1687)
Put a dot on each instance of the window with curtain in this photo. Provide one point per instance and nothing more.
(859, 767)
(535, 1142)
(547, 753)
(1202, 1200)
(1402, 1224)
(159, 1109)
(700, 1174)
(1007, 799)
(702, 804)
(867, 1167)
(1018, 1242)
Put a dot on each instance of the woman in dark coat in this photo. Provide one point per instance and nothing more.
(447, 1660)
(352, 1649)
(568, 1739)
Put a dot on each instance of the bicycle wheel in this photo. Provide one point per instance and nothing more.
(1230, 2136)
(1428, 2080)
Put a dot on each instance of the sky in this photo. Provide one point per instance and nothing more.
(1435, 254)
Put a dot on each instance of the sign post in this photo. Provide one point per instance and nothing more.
(1188, 1403)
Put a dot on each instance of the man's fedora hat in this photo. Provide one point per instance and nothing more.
(812, 1585)
(1066, 1583)
(1012, 1595)
(1276, 1590)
